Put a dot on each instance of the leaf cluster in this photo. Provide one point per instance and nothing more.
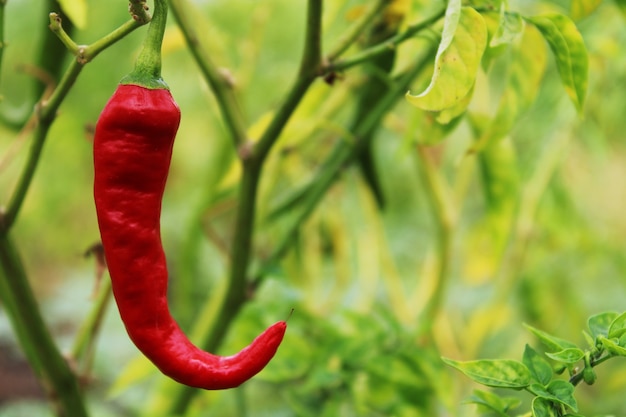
(538, 374)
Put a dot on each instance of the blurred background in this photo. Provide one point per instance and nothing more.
(359, 277)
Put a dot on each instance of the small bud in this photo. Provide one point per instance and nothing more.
(589, 375)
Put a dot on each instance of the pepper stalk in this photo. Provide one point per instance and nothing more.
(147, 72)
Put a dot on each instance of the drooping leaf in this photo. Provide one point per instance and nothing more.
(462, 45)
(569, 51)
(539, 368)
(563, 392)
(599, 324)
(618, 326)
(553, 343)
(500, 373)
(76, 11)
(568, 356)
(497, 404)
(542, 407)
(559, 391)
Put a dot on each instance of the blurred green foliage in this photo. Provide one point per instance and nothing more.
(357, 277)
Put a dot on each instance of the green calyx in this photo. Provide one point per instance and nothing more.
(147, 72)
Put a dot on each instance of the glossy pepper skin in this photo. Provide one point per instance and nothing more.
(132, 152)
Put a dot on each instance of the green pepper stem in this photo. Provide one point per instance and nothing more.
(147, 72)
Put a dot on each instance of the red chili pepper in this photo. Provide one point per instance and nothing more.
(132, 152)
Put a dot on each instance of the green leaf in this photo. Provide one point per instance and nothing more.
(500, 373)
(540, 369)
(612, 346)
(557, 391)
(599, 324)
(542, 407)
(462, 45)
(76, 11)
(569, 51)
(618, 326)
(569, 355)
(553, 343)
(493, 402)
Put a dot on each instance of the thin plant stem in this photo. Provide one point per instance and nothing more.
(310, 67)
(56, 26)
(350, 37)
(439, 195)
(33, 335)
(221, 85)
(51, 57)
(147, 71)
(89, 329)
(91, 51)
(376, 50)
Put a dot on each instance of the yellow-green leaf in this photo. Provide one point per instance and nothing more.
(599, 324)
(500, 373)
(542, 407)
(557, 391)
(458, 58)
(554, 343)
(539, 368)
(76, 11)
(569, 355)
(618, 326)
(570, 53)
